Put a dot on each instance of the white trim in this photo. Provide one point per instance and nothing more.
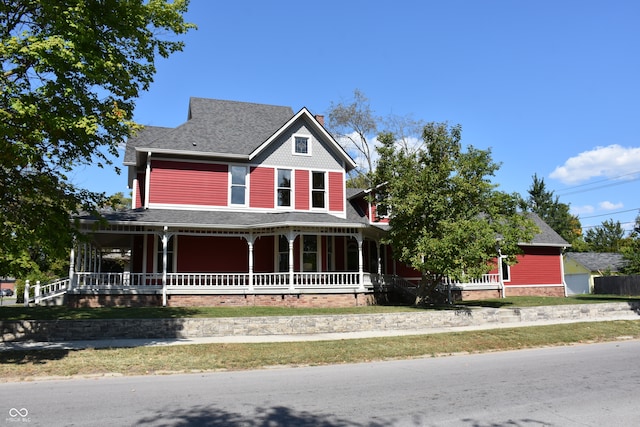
(147, 182)
(325, 190)
(306, 137)
(535, 286)
(292, 187)
(317, 127)
(230, 185)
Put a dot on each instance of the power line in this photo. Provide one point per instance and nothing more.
(608, 214)
(597, 188)
(602, 180)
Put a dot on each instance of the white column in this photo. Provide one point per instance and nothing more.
(165, 241)
(147, 181)
(72, 260)
(360, 261)
(250, 241)
(379, 259)
(291, 237)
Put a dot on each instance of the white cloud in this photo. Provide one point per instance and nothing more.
(609, 162)
(607, 205)
(579, 210)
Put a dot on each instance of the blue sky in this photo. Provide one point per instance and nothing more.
(552, 87)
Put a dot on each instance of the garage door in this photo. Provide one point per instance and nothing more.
(577, 283)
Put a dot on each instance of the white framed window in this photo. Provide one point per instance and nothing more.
(283, 254)
(318, 190)
(171, 259)
(506, 270)
(310, 252)
(284, 187)
(238, 193)
(301, 145)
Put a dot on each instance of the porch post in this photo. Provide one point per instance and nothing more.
(360, 260)
(147, 181)
(291, 237)
(72, 260)
(500, 278)
(379, 258)
(250, 241)
(165, 240)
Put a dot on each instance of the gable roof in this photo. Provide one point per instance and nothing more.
(546, 236)
(598, 261)
(227, 129)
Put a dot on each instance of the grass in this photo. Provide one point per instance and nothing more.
(25, 365)
(18, 312)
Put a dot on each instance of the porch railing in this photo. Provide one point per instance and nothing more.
(216, 280)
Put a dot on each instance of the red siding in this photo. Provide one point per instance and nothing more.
(139, 201)
(188, 183)
(302, 189)
(537, 266)
(262, 188)
(336, 193)
(212, 254)
(263, 255)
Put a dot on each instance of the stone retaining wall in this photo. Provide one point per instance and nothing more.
(68, 330)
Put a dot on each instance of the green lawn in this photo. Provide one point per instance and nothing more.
(18, 312)
(27, 365)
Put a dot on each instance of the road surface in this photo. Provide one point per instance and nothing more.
(582, 385)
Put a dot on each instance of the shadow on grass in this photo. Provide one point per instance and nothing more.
(66, 313)
(38, 357)
(261, 417)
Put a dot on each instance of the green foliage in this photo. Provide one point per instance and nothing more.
(446, 215)
(608, 237)
(543, 203)
(70, 74)
(631, 251)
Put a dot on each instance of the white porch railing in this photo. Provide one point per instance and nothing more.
(217, 280)
(484, 280)
(44, 292)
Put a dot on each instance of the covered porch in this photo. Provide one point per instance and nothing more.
(172, 261)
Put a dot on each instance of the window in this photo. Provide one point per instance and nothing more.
(309, 253)
(301, 145)
(506, 270)
(352, 254)
(284, 187)
(170, 252)
(238, 185)
(318, 190)
(283, 254)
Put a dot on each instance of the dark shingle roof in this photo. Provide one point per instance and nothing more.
(223, 219)
(546, 235)
(598, 261)
(215, 126)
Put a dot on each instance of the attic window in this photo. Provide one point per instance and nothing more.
(301, 145)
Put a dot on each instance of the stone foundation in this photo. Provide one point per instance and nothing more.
(525, 291)
(280, 300)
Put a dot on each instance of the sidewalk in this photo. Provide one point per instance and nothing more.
(139, 342)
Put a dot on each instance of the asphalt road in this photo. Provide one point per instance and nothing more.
(583, 385)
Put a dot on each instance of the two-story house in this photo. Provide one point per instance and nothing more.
(246, 204)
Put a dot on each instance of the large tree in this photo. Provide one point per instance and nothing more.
(607, 237)
(631, 251)
(70, 73)
(547, 206)
(446, 217)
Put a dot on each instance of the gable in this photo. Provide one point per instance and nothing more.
(281, 149)
(304, 124)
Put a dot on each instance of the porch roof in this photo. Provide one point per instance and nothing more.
(230, 220)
